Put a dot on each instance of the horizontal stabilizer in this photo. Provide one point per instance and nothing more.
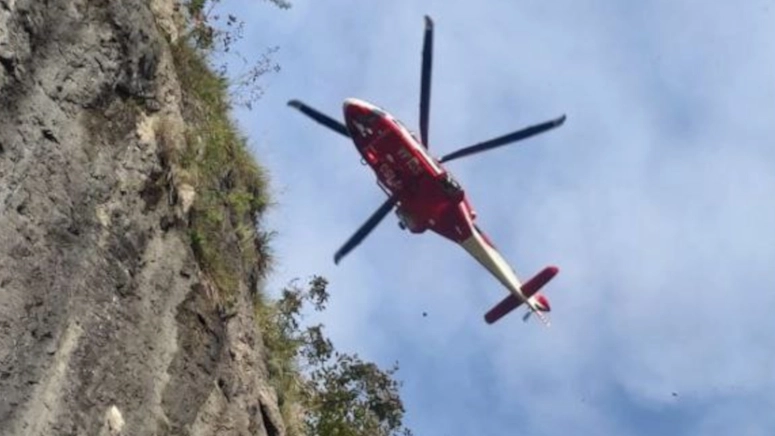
(530, 288)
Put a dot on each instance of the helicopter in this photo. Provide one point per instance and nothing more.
(423, 193)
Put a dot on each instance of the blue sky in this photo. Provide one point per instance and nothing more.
(656, 199)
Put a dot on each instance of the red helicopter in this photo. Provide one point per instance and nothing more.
(423, 193)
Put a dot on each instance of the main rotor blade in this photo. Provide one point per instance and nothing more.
(425, 83)
(320, 117)
(365, 229)
(505, 139)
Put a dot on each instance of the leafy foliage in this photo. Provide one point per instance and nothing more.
(340, 394)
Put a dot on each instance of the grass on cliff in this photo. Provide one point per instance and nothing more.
(231, 188)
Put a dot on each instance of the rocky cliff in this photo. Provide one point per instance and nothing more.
(129, 260)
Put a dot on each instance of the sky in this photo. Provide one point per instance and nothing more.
(656, 199)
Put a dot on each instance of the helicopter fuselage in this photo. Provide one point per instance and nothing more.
(427, 196)
(424, 194)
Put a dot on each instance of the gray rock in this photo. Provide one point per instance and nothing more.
(105, 323)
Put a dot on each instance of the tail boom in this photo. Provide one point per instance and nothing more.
(529, 289)
(480, 247)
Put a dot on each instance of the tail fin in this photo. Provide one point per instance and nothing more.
(530, 288)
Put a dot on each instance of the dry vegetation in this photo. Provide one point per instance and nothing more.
(231, 188)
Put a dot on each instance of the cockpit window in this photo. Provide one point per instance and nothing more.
(369, 119)
(404, 128)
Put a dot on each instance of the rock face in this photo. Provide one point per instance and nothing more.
(107, 324)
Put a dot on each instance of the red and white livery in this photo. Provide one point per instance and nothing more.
(424, 195)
